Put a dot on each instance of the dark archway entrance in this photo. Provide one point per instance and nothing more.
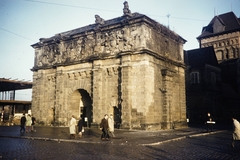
(117, 116)
(86, 107)
(80, 105)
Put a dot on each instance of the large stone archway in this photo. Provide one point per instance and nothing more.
(80, 105)
(130, 66)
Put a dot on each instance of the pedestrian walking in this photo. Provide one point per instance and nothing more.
(72, 127)
(104, 128)
(28, 123)
(209, 123)
(80, 127)
(33, 123)
(111, 125)
(236, 131)
(22, 123)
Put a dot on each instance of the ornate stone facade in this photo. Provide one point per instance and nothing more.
(130, 66)
(226, 46)
(223, 33)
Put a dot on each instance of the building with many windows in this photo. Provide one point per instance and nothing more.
(223, 33)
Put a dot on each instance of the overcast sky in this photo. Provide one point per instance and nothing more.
(24, 22)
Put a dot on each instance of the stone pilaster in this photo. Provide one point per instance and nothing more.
(126, 91)
(59, 98)
(98, 113)
(167, 98)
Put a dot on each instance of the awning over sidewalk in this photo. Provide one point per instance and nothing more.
(11, 85)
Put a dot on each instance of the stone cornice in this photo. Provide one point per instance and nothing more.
(143, 51)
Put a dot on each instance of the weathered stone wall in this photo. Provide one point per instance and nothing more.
(43, 94)
(105, 88)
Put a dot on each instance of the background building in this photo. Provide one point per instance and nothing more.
(223, 33)
(212, 74)
(11, 109)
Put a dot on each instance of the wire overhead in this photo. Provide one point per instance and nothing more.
(105, 10)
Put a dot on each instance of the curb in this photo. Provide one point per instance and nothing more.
(83, 141)
(49, 139)
(180, 138)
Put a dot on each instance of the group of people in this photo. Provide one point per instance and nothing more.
(27, 123)
(73, 129)
(106, 125)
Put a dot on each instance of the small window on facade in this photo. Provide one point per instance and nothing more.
(194, 78)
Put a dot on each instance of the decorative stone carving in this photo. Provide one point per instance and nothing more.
(98, 44)
(99, 20)
(126, 10)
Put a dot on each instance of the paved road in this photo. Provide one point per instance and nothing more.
(212, 146)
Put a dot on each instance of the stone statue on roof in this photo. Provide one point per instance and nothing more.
(126, 10)
(99, 20)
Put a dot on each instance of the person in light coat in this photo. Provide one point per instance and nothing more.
(236, 131)
(72, 127)
(111, 125)
(28, 123)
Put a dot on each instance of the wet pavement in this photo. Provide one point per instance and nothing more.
(92, 135)
(54, 143)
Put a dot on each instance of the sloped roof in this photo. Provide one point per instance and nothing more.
(197, 58)
(224, 23)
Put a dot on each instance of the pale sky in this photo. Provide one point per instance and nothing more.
(24, 22)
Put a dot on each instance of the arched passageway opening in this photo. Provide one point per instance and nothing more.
(80, 105)
(86, 107)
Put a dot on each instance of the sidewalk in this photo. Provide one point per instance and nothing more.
(92, 135)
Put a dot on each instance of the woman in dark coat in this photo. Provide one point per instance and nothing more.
(104, 128)
(22, 123)
(80, 127)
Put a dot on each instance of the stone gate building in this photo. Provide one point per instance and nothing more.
(130, 66)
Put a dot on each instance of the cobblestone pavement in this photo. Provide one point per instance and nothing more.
(197, 147)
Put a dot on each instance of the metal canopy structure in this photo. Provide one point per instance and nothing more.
(11, 85)
(8, 105)
(14, 102)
